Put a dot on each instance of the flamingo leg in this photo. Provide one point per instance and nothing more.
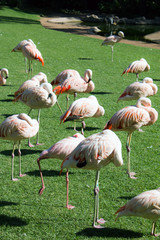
(153, 230)
(96, 204)
(25, 59)
(19, 153)
(112, 52)
(29, 143)
(137, 76)
(83, 127)
(59, 107)
(38, 119)
(75, 126)
(67, 187)
(12, 178)
(75, 95)
(67, 99)
(43, 186)
(130, 174)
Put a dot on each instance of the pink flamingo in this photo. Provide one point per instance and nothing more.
(38, 98)
(74, 85)
(111, 40)
(35, 81)
(81, 109)
(130, 119)
(137, 67)
(16, 128)
(59, 150)
(93, 153)
(3, 76)
(146, 205)
(30, 51)
(137, 90)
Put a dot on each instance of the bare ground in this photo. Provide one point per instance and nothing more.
(84, 30)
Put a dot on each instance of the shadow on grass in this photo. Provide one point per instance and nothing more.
(156, 80)
(11, 221)
(12, 20)
(10, 95)
(6, 100)
(23, 152)
(101, 93)
(85, 58)
(46, 173)
(6, 203)
(109, 232)
(126, 197)
(86, 128)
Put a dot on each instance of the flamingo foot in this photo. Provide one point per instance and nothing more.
(97, 226)
(132, 175)
(15, 179)
(101, 221)
(41, 190)
(30, 145)
(156, 234)
(22, 175)
(70, 207)
(140, 130)
(39, 144)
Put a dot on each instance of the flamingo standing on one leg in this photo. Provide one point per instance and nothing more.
(93, 153)
(3, 76)
(137, 90)
(81, 109)
(132, 118)
(137, 67)
(59, 150)
(74, 85)
(111, 40)
(146, 205)
(17, 128)
(38, 98)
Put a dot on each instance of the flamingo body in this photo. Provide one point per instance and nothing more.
(146, 205)
(83, 108)
(17, 128)
(137, 90)
(61, 77)
(137, 67)
(93, 153)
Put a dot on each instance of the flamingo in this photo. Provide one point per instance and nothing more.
(59, 150)
(137, 90)
(137, 67)
(93, 153)
(30, 51)
(16, 128)
(74, 85)
(3, 76)
(130, 119)
(111, 40)
(35, 81)
(38, 98)
(146, 205)
(81, 109)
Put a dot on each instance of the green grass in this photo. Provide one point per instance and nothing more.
(23, 213)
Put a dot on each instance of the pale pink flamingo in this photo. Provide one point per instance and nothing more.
(132, 118)
(146, 205)
(137, 90)
(59, 150)
(93, 153)
(74, 85)
(111, 40)
(35, 81)
(137, 67)
(30, 51)
(81, 109)
(16, 128)
(38, 98)
(3, 76)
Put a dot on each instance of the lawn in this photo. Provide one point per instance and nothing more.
(26, 215)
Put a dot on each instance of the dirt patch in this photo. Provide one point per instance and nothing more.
(74, 28)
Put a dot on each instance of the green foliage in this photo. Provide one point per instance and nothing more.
(26, 215)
